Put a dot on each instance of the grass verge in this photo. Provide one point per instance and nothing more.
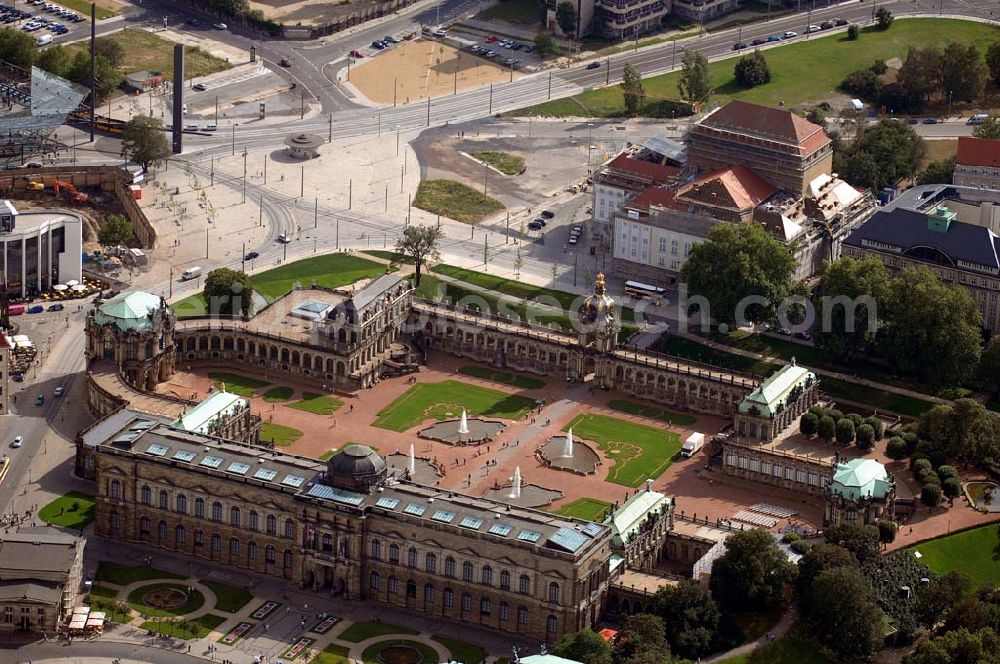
(196, 628)
(460, 650)
(145, 51)
(792, 648)
(515, 380)
(245, 386)
(122, 575)
(652, 412)
(332, 654)
(445, 400)
(360, 631)
(137, 598)
(279, 434)
(588, 509)
(276, 394)
(970, 551)
(505, 162)
(229, 598)
(82, 8)
(455, 200)
(318, 404)
(639, 452)
(73, 510)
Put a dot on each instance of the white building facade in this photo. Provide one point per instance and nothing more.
(40, 249)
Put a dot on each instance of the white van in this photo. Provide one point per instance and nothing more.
(43, 40)
(978, 118)
(190, 273)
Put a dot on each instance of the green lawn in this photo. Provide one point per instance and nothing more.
(455, 200)
(516, 380)
(279, 434)
(277, 394)
(428, 654)
(698, 352)
(325, 456)
(229, 598)
(319, 404)
(197, 628)
(360, 631)
(332, 654)
(393, 256)
(146, 51)
(505, 162)
(245, 386)
(970, 551)
(462, 651)
(73, 510)
(588, 509)
(445, 400)
(122, 575)
(112, 608)
(526, 12)
(639, 452)
(137, 598)
(793, 648)
(82, 7)
(795, 78)
(652, 412)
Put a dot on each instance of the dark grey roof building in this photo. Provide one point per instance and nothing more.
(40, 574)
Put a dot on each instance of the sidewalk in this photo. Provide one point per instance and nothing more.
(787, 620)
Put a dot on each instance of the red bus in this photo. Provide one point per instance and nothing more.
(16, 309)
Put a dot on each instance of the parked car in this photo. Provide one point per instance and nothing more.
(784, 331)
(758, 42)
(491, 39)
(840, 21)
(378, 45)
(826, 25)
(789, 34)
(193, 21)
(541, 221)
(390, 40)
(774, 38)
(929, 121)
(40, 400)
(18, 440)
(285, 62)
(440, 33)
(220, 26)
(251, 255)
(812, 28)
(357, 54)
(56, 307)
(572, 239)
(201, 87)
(284, 239)
(36, 309)
(546, 214)
(535, 226)
(58, 392)
(912, 121)
(739, 46)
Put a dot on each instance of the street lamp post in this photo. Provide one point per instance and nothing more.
(235, 125)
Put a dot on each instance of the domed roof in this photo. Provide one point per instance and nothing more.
(356, 461)
(599, 306)
(129, 310)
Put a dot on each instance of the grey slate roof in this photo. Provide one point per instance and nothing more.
(372, 291)
(37, 591)
(23, 553)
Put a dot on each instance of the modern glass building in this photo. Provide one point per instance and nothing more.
(40, 248)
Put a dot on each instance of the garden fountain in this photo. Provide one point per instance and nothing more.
(463, 424)
(515, 484)
(568, 446)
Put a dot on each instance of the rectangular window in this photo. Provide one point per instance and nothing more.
(800, 475)
(789, 473)
(812, 479)
(755, 465)
(743, 463)
(777, 470)
(466, 602)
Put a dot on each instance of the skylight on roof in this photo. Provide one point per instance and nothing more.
(293, 480)
(265, 474)
(592, 530)
(157, 450)
(212, 461)
(529, 536)
(387, 502)
(567, 539)
(471, 523)
(327, 492)
(184, 455)
(501, 529)
(238, 468)
(415, 509)
(443, 516)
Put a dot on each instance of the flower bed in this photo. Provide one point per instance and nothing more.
(324, 626)
(298, 648)
(236, 633)
(264, 610)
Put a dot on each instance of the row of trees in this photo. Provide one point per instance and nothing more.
(832, 424)
(18, 48)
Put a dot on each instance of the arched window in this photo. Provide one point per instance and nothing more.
(393, 585)
(550, 625)
(449, 567)
(164, 500)
(554, 592)
(254, 520)
(199, 508)
(115, 490)
(269, 552)
(216, 511)
(373, 581)
(524, 587)
(288, 559)
(144, 495)
(289, 528)
(216, 543)
(327, 542)
(428, 593)
(411, 557)
(180, 535)
(431, 563)
(393, 554)
(485, 606)
(449, 598)
(234, 546)
(182, 504)
(272, 525)
(144, 525)
(411, 588)
(522, 615)
(376, 548)
(505, 580)
(161, 530)
(199, 537)
(486, 575)
(504, 611)
(234, 516)
(466, 603)
(467, 571)
(251, 551)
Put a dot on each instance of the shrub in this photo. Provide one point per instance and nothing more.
(877, 425)
(827, 428)
(912, 439)
(951, 487)
(879, 67)
(788, 538)
(856, 418)
(896, 448)
(865, 437)
(752, 70)
(845, 431)
(801, 547)
(946, 472)
(920, 465)
(808, 424)
(886, 531)
(930, 495)
(929, 477)
(74, 506)
(835, 414)
(818, 411)
(852, 32)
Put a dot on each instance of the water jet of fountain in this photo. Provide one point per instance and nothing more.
(463, 424)
(515, 484)
(568, 448)
(413, 462)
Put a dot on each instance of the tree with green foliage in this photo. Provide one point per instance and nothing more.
(847, 302)
(877, 425)
(144, 142)
(864, 437)
(641, 633)
(545, 44)
(963, 431)
(690, 616)
(736, 262)
(936, 598)
(228, 292)
(883, 18)
(420, 244)
(853, 32)
(930, 495)
(896, 448)
(963, 72)
(826, 428)
(752, 573)
(107, 77)
(990, 128)
(752, 70)
(584, 646)
(859, 539)
(632, 90)
(56, 59)
(894, 153)
(842, 613)
(937, 172)
(808, 424)
(981, 611)
(932, 330)
(845, 431)
(989, 366)
(921, 74)
(993, 61)
(695, 84)
(115, 232)
(886, 531)
(819, 558)
(111, 50)
(566, 18)
(17, 48)
(958, 647)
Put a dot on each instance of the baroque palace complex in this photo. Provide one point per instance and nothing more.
(191, 477)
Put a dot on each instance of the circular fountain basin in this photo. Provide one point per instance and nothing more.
(583, 462)
(480, 431)
(532, 495)
(984, 496)
(424, 470)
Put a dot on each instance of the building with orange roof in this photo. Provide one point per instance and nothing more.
(977, 163)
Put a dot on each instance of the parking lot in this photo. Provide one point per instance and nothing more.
(492, 48)
(46, 19)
